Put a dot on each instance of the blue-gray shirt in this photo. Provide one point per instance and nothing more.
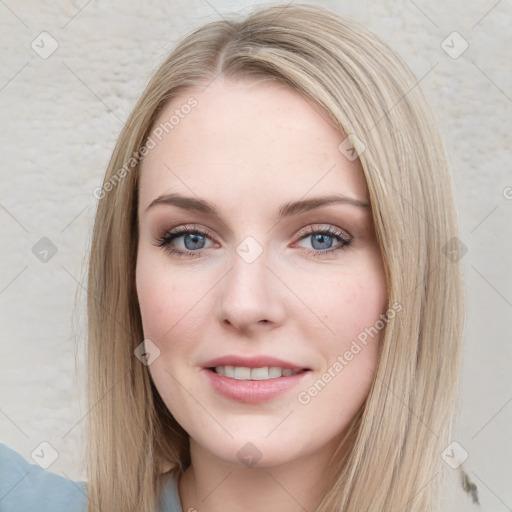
(27, 487)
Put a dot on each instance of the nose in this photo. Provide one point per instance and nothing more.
(251, 296)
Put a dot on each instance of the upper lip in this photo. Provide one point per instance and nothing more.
(252, 362)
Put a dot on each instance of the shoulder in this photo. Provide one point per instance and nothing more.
(30, 488)
(170, 498)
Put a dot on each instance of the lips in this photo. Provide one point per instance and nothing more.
(252, 391)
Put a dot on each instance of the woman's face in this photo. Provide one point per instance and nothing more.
(242, 266)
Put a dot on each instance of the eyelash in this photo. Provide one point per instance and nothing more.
(167, 238)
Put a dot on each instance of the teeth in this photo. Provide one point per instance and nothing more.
(259, 373)
(264, 373)
(242, 373)
(274, 372)
(229, 371)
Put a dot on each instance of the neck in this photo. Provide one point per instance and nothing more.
(213, 485)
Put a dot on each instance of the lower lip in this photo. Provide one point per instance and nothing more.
(252, 391)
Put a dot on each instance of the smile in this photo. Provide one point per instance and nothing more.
(263, 373)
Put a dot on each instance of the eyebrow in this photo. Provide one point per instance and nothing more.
(286, 210)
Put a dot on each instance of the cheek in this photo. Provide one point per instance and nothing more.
(168, 300)
(350, 358)
(351, 304)
(170, 306)
(345, 302)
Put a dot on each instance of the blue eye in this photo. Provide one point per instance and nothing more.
(194, 240)
(322, 240)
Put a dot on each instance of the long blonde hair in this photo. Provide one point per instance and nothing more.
(363, 86)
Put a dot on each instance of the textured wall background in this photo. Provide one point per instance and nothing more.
(62, 113)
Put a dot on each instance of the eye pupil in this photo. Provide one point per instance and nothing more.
(321, 237)
(196, 238)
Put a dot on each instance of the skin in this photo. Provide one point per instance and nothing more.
(248, 147)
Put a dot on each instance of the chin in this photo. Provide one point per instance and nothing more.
(257, 451)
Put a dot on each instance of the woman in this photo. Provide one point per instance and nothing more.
(275, 309)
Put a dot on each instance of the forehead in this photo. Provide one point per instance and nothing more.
(247, 139)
